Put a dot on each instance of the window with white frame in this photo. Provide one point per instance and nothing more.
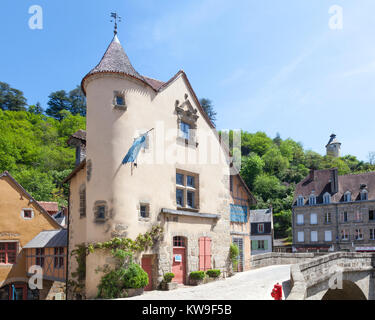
(301, 236)
(344, 216)
(358, 234)
(300, 201)
(314, 236)
(144, 210)
(327, 217)
(344, 234)
(313, 218)
(312, 200)
(347, 196)
(300, 219)
(327, 198)
(27, 213)
(364, 195)
(328, 235)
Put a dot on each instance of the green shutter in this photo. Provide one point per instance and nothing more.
(265, 244)
(254, 244)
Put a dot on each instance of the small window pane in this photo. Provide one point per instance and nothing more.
(101, 212)
(120, 100)
(2, 257)
(12, 246)
(185, 130)
(180, 179)
(190, 181)
(144, 211)
(190, 199)
(180, 197)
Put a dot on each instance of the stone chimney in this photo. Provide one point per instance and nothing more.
(334, 181)
(312, 175)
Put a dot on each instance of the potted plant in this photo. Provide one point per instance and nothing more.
(213, 274)
(197, 277)
(167, 283)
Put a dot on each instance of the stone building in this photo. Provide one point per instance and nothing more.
(180, 179)
(334, 213)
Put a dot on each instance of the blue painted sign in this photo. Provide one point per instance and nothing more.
(178, 258)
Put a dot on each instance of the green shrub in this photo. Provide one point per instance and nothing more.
(168, 277)
(213, 273)
(113, 284)
(234, 251)
(197, 275)
(135, 277)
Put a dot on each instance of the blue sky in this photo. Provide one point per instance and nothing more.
(270, 65)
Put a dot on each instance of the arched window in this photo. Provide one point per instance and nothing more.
(327, 198)
(364, 195)
(347, 196)
(312, 200)
(300, 201)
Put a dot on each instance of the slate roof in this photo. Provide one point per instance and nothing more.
(332, 140)
(115, 60)
(260, 215)
(320, 182)
(49, 239)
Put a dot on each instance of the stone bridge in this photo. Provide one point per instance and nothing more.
(336, 276)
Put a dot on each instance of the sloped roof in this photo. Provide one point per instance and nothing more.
(320, 183)
(49, 206)
(49, 239)
(22, 189)
(261, 215)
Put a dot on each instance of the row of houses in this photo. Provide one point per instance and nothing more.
(333, 212)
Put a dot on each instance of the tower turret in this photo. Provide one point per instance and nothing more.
(333, 147)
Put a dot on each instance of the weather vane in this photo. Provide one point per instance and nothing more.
(116, 18)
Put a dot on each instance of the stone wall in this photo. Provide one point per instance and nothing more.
(52, 290)
(280, 258)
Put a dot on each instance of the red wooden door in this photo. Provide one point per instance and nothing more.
(147, 266)
(179, 265)
(204, 253)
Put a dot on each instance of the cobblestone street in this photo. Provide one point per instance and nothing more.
(251, 285)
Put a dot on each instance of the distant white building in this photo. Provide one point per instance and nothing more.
(261, 231)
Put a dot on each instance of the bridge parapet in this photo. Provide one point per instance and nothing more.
(280, 258)
(322, 269)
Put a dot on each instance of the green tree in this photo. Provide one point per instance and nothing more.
(11, 99)
(258, 142)
(268, 187)
(36, 109)
(274, 162)
(209, 109)
(77, 102)
(57, 102)
(252, 166)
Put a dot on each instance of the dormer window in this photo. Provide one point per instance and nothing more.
(347, 196)
(187, 118)
(312, 200)
(364, 195)
(327, 198)
(300, 201)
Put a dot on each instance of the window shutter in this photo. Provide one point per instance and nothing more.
(207, 249)
(265, 244)
(254, 244)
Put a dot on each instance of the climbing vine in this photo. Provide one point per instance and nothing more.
(122, 250)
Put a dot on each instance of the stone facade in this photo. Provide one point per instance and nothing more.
(334, 213)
